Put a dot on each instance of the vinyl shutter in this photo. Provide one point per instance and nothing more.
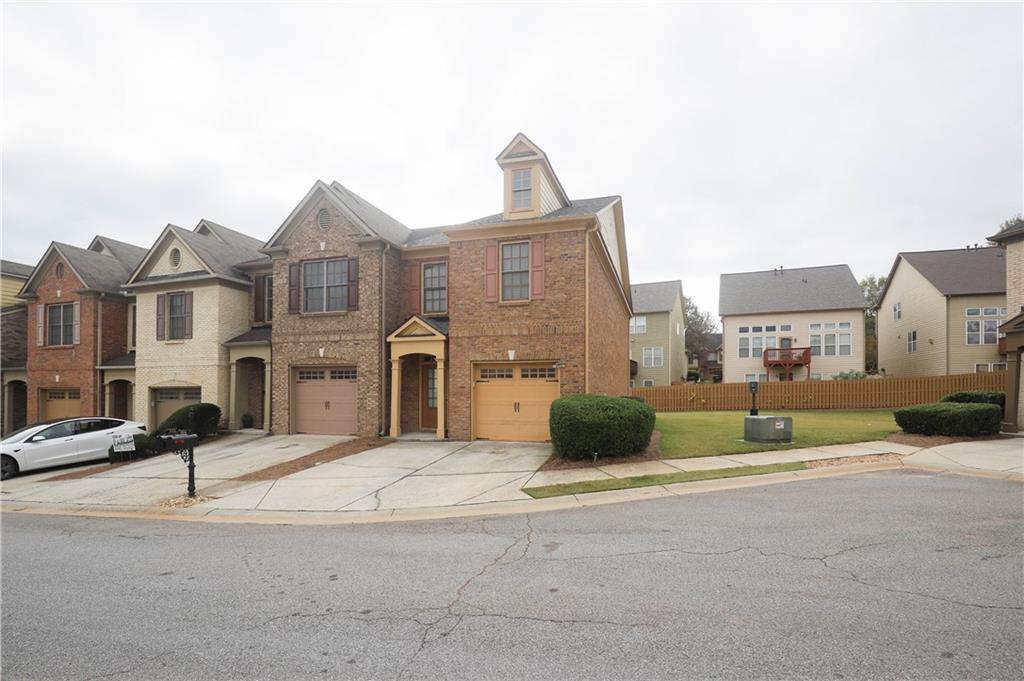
(293, 287)
(537, 269)
(412, 287)
(77, 308)
(188, 315)
(259, 298)
(491, 273)
(353, 283)
(161, 320)
(40, 325)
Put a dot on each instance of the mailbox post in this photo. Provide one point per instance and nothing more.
(753, 398)
(183, 444)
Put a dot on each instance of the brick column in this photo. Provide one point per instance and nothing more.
(440, 398)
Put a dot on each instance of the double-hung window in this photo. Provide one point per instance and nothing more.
(815, 344)
(60, 322)
(912, 341)
(515, 271)
(268, 297)
(897, 311)
(638, 324)
(830, 344)
(744, 350)
(653, 357)
(845, 344)
(522, 189)
(435, 287)
(757, 347)
(982, 332)
(176, 313)
(325, 285)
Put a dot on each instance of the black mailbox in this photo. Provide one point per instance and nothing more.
(175, 442)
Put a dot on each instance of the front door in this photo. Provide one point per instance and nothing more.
(428, 396)
(786, 342)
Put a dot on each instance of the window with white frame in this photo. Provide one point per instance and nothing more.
(648, 382)
(757, 347)
(815, 343)
(653, 357)
(786, 327)
(522, 189)
(744, 348)
(982, 331)
(759, 378)
(845, 344)
(638, 324)
(912, 341)
(998, 366)
(743, 329)
(830, 345)
(897, 311)
(981, 368)
(632, 383)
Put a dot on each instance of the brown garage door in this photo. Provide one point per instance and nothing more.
(65, 403)
(511, 401)
(170, 400)
(325, 400)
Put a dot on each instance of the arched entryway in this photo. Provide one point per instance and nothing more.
(418, 377)
(250, 393)
(15, 406)
(120, 399)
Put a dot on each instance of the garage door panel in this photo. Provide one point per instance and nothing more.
(63, 403)
(170, 400)
(513, 402)
(325, 401)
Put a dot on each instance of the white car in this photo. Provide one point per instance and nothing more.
(55, 443)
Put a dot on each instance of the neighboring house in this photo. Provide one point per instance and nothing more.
(800, 324)
(13, 276)
(1011, 241)
(939, 313)
(78, 319)
(467, 330)
(13, 352)
(709, 360)
(195, 336)
(657, 334)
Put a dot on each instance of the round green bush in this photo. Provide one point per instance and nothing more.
(980, 396)
(206, 423)
(585, 425)
(950, 418)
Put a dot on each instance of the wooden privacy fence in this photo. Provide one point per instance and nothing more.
(868, 393)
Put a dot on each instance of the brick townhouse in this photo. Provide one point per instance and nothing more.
(78, 318)
(466, 331)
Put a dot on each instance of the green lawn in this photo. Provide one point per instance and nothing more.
(708, 433)
(606, 484)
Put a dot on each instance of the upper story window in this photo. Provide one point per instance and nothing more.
(177, 316)
(744, 329)
(325, 285)
(744, 347)
(786, 327)
(897, 311)
(132, 322)
(912, 341)
(263, 298)
(653, 357)
(982, 331)
(986, 312)
(435, 287)
(522, 189)
(60, 324)
(515, 271)
(638, 324)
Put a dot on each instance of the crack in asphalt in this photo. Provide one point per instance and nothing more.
(130, 669)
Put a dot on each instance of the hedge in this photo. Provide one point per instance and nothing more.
(950, 418)
(982, 396)
(207, 420)
(585, 425)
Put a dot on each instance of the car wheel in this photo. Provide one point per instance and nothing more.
(8, 467)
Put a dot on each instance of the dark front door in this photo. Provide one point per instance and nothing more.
(786, 342)
(428, 396)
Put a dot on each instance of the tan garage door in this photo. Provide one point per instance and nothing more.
(170, 400)
(511, 402)
(324, 400)
(65, 403)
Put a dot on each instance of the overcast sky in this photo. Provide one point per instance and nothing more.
(740, 137)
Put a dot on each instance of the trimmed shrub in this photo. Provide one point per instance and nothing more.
(850, 375)
(582, 425)
(950, 418)
(143, 450)
(979, 396)
(207, 420)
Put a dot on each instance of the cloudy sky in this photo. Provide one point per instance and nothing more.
(740, 137)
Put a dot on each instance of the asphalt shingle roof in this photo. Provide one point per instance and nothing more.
(220, 257)
(576, 208)
(232, 237)
(962, 271)
(15, 269)
(129, 254)
(99, 272)
(257, 334)
(379, 222)
(122, 361)
(659, 296)
(1013, 232)
(832, 287)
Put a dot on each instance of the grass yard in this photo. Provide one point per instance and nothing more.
(709, 433)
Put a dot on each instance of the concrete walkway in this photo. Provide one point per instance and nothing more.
(1004, 456)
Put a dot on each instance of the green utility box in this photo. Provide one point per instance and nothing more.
(768, 429)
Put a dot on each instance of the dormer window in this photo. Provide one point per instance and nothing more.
(522, 189)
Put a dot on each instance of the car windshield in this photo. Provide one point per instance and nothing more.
(16, 435)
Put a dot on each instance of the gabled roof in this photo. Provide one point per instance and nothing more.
(576, 208)
(9, 268)
(832, 287)
(522, 148)
(220, 256)
(129, 254)
(1012, 232)
(97, 271)
(658, 296)
(957, 272)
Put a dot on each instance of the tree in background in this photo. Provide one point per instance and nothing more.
(1012, 223)
(872, 287)
(699, 327)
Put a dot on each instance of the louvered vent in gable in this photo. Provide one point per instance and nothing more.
(323, 219)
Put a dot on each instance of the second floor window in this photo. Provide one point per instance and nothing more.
(435, 287)
(263, 298)
(176, 316)
(515, 271)
(653, 357)
(325, 285)
(60, 324)
(638, 324)
(912, 341)
(897, 311)
(982, 332)
(522, 189)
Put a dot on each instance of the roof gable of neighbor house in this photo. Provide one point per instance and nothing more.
(832, 287)
(960, 272)
(99, 272)
(129, 254)
(1011, 232)
(659, 296)
(16, 270)
(214, 256)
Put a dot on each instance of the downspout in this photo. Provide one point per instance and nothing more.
(385, 372)
(98, 391)
(586, 306)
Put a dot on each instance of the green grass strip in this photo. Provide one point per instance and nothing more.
(606, 484)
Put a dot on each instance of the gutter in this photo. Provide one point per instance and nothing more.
(586, 304)
(385, 373)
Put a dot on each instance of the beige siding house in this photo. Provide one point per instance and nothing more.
(940, 311)
(657, 334)
(791, 325)
(1011, 240)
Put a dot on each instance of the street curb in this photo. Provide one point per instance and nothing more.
(499, 508)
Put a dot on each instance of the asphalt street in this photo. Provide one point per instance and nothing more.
(897, 574)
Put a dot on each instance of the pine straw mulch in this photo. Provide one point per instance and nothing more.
(338, 451)
(184, 501)
(652, 453)
(926, 441)
(871, 458)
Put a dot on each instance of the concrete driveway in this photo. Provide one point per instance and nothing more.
(1005, 456)
(405, 474)
(152, 481)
